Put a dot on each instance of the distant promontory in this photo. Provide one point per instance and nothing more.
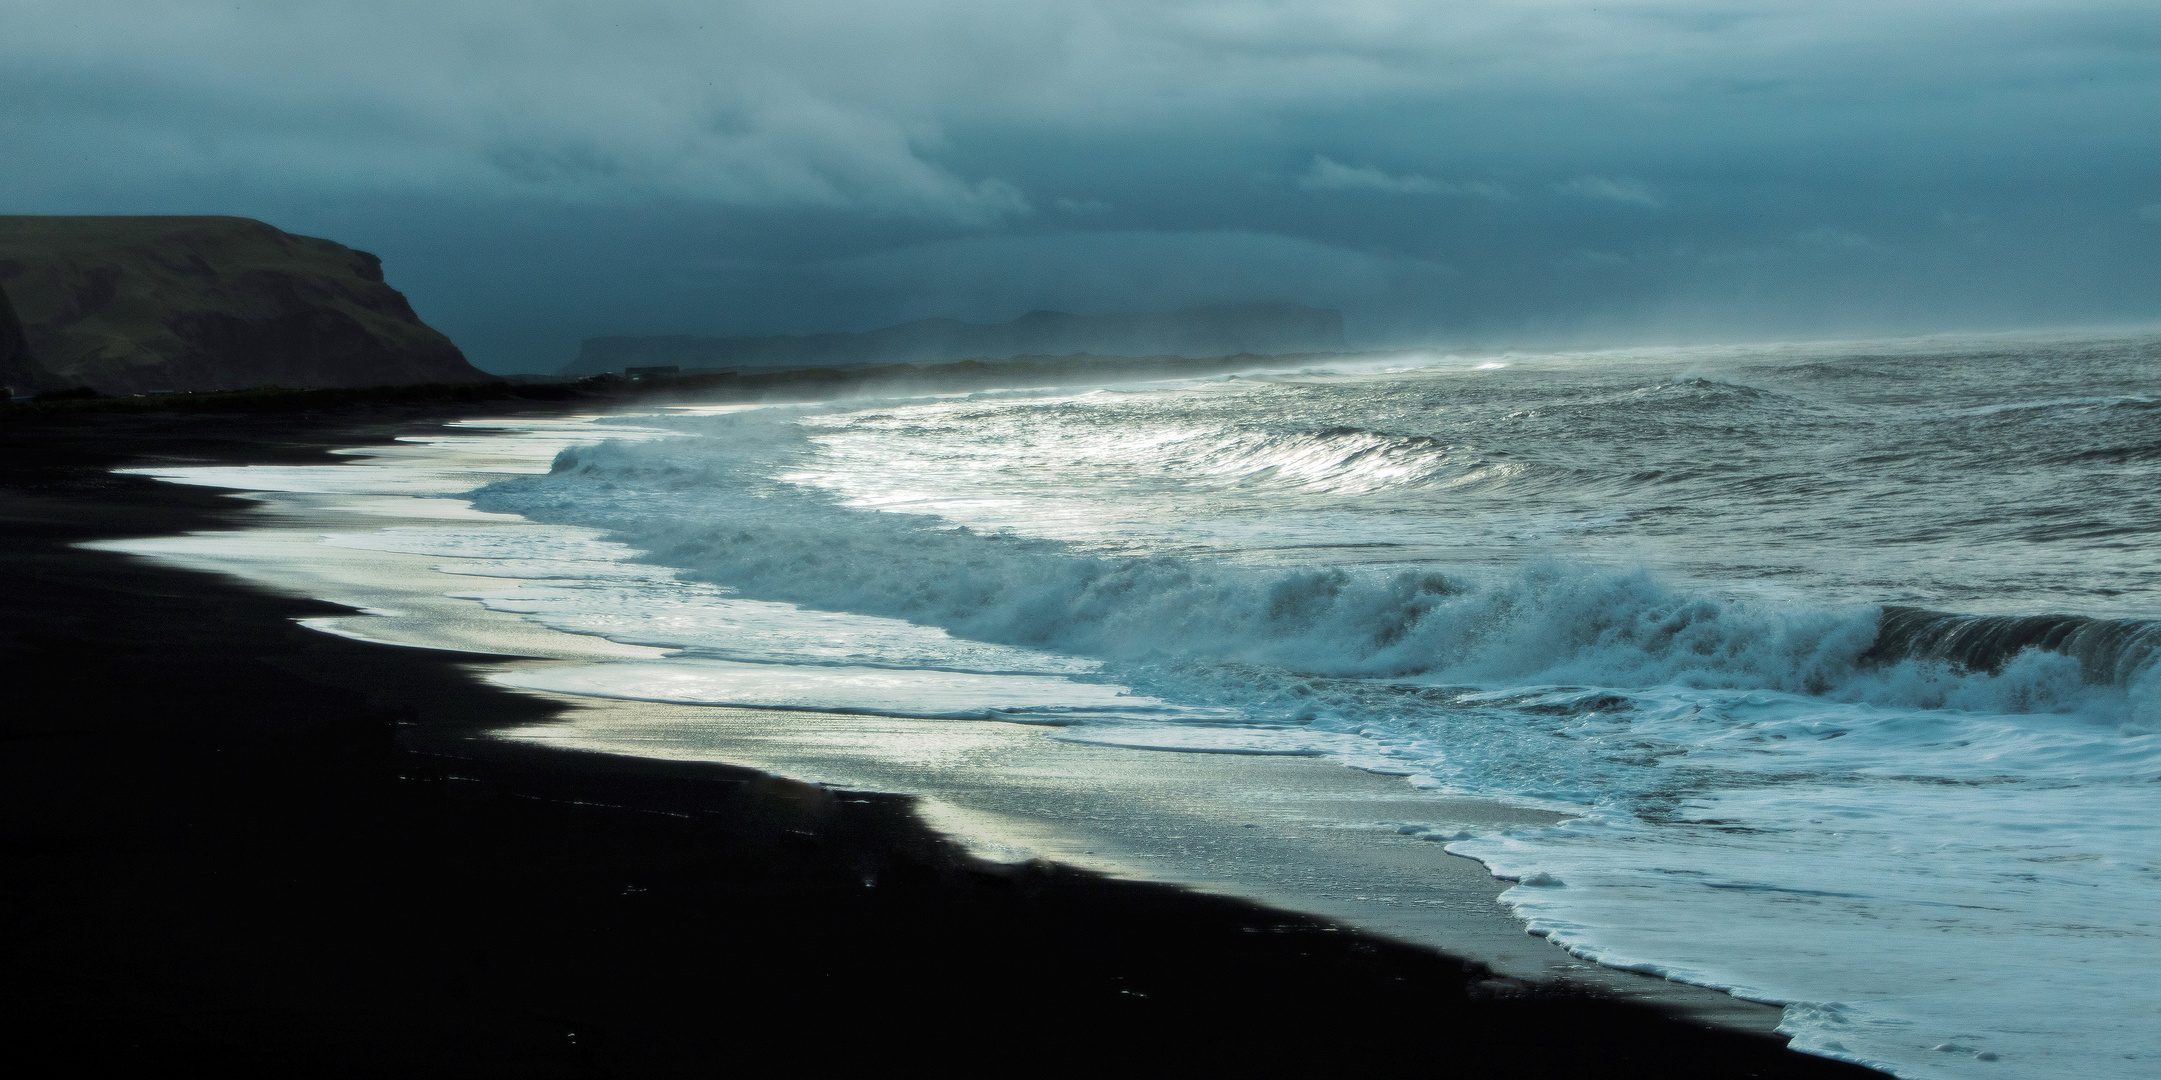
(1190, 332)
(137, 304)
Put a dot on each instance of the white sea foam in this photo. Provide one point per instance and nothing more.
(709, 505)
(1763, 804)
(844, 688)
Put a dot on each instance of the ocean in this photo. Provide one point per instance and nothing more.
(1837, 660)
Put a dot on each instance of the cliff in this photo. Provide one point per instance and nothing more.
(1189, 332)
(130, 304)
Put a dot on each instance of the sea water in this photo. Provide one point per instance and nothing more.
(1841, 659)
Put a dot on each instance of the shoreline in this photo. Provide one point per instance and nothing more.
(220, 859)
(1301, 834)
(1298, 834)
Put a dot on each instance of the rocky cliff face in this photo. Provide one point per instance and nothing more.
(1193, 332)
(131, 304)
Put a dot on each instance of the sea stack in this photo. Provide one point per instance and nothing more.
(136, 304)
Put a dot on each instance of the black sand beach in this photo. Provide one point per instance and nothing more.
(234, 846)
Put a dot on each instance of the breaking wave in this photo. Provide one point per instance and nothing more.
(1352, 460)
(2114, 652)
(706, 505)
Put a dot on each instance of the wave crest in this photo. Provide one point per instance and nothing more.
(2112, 652)
(707, 506)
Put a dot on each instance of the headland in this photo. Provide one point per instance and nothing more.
(127, 305)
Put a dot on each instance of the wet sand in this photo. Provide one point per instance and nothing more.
(238, 846)
(1300, 834)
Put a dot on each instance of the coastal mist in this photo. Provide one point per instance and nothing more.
(1840, 660)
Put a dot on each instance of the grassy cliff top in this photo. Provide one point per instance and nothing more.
(210, 233)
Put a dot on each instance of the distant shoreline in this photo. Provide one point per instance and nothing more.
(541, 392)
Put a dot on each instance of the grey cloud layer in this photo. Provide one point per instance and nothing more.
(577, 102)
(1326, 175)
(1576, 163)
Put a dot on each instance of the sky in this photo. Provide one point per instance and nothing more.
(1515, 173)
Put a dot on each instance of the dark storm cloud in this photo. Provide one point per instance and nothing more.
(536, 172)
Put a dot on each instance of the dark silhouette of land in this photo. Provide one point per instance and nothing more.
(128, 305)
(600, 391)
(18, 369)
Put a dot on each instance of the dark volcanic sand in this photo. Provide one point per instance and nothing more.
(220, 855)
